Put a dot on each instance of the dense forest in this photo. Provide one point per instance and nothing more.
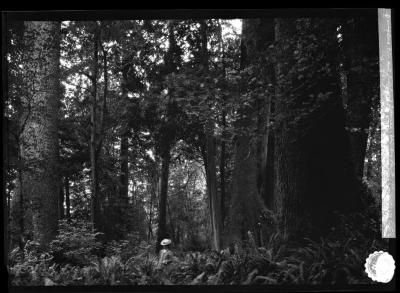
(253, 145)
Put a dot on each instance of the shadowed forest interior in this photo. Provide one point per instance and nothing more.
(252, 144)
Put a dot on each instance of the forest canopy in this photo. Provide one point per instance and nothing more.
(252, 144)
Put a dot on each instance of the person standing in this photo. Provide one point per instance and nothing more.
(164, 265)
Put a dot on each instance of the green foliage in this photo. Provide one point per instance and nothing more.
(76, 243)
(128, 248)
(187, 224)
(337, 258)
(29, 266)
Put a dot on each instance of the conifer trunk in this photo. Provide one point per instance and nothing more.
(39, 139)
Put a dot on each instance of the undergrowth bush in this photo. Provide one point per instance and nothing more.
(337, 258)
(29, 266)
(76, 243)
(128, 248)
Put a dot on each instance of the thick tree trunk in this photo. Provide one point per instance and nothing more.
(287, 191)
(162, 207)
(247, 206)
(313, 176)
(289, 185)
(39, 141)
(210, 153)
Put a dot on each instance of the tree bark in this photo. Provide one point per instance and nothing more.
(124, 149)
(212, 189)
(214, 201)
(313, 176)
(222, 164)
(162, 207)
(39, 139)
(247, 206)
(95, 203)
(150, 223)
(167, 135)
(264, 146)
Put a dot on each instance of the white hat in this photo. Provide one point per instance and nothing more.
(166, 242)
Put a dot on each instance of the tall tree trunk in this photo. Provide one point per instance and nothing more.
(222, 165)
(154, 179)
(39, 139)
(95, 203)
(361, 65)
(103, 110)
(207, 174)
(162, 207)
(263, 145)
(166, 137)
(289, 161)
(286, 159)
(152, 195)
(247, 206)
(214, 201)
(313, 176)
(123, 156)
(289, 178)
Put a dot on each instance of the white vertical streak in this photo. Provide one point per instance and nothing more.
(387, 124)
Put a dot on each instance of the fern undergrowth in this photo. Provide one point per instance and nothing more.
(76, 257)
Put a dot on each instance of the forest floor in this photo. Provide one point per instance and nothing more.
(338, 258)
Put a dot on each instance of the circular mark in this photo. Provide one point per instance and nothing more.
(380, 266)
